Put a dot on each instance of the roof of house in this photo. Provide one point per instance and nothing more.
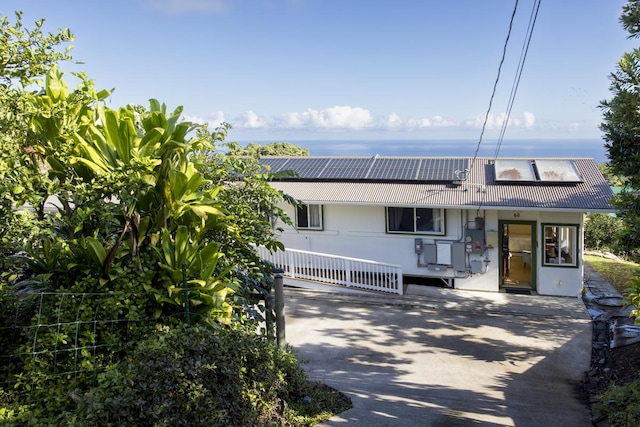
(525, 184)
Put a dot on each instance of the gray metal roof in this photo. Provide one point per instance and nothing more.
(480, 190)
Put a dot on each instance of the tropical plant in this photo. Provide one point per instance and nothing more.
(621, 119)
(130, 218)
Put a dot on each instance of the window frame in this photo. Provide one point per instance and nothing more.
(441, 221)
(304, 208)
(560, 261)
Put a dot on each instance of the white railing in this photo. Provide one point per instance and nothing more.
(337, 270)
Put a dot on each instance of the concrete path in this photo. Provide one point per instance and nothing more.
(441, 357)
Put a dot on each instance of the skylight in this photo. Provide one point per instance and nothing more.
(545, 171)
(557, 171)
(514, 170)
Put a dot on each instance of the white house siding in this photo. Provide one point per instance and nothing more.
(561, 281)
(359, 232)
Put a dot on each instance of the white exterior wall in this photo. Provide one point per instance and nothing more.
(562, 281)
(359, 232)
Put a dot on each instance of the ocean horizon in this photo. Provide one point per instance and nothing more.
(528, 148)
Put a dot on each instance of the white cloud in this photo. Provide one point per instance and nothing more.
(429, 122)
(251, 120)
(347, 118)
(194, 119)
(338, 117)
(527, 120)
(214, 119)
(393, 121)
(173, 7)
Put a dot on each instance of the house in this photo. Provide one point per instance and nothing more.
(507, 224)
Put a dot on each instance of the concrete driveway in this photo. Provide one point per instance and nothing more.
(441, 357)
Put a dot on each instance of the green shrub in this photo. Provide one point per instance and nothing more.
(197, 377)
(601, 231)
(622, 405)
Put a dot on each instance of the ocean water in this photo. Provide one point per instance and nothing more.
(527, 148)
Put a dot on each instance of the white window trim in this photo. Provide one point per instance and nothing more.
(309, 218)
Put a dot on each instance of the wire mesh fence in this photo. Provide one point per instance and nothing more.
(72, 337)
(70, 333)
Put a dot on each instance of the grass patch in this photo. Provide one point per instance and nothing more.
(617, 272)
(320, 403)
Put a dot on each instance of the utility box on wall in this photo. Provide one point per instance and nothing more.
(474, 240)
(458, 256)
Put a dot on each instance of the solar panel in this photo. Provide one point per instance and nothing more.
(350, 168)
(394, 169)
(441, 169)
(274, 164)
(306, 167)
(371, 168)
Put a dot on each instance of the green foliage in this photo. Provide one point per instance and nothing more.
(25, 55)
(621, 121)
(143, 206)
(630, 18)
(271, 149)
(633, 297)
(601, 231)
(612, 179)
(622, 405)
(197, 377)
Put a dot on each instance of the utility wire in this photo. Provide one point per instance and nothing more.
(516, 83)
(495, 86)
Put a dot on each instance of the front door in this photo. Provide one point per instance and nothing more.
(517, 254)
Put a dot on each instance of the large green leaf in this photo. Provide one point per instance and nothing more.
(149, 141)
(111, 127)
(96, 251)
(182, 245)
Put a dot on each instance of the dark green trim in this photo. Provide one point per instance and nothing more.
(577, 239)
(534, 250)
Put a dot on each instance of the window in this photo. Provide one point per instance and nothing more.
(309, 216)
(415, 220)
(560, 245)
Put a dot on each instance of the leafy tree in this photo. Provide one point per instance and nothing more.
(601, 231)
(621, 127)
(142, 207)
(25, 56)
(271, 149)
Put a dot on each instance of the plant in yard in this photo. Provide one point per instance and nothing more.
(118, 227)
(601, 231)
(621, 119)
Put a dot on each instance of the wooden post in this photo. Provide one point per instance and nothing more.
(278, 275)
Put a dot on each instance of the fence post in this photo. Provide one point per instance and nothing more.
(278, 275)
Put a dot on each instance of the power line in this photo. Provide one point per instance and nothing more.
(514, 89)
(495, 86)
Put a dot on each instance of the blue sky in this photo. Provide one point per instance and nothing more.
(291, 70)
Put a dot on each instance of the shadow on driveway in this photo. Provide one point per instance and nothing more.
(453, 358)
